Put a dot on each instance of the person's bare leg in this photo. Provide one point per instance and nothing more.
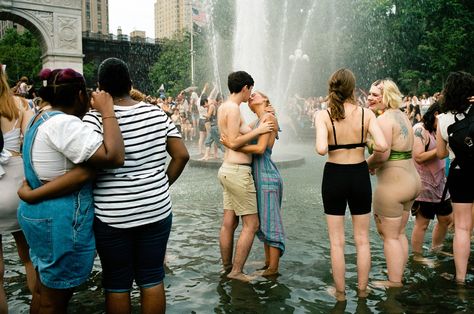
(361, 224)
(403, 236)
(226, 239)
(202, 137)
(3, 297)
(206, 154)
(462, 238)
(266, 247)
(389, 228)
(244, 244)
(273, 261)
(36, 300)
(439, 231)
(153, 299)
(337, 242)
(117, 303)
(418, 234)
(54, 301)
(23, 253)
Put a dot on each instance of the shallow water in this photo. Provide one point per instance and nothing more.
(194, 284)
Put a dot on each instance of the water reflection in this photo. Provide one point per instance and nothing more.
(194, 283)
(263, 296)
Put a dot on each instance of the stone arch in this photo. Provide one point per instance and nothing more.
(57, 25)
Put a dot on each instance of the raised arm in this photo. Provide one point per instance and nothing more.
(213, 93)
(204, 89)
(69, 182)
(111, 154)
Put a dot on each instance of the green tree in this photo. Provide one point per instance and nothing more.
(21, 53)
(172, 69)
(90, 70)
(417, 43)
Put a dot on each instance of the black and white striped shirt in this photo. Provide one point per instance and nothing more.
(137, 193)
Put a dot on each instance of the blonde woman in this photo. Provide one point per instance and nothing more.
(398, 182)
(14, 118)
(342, 134)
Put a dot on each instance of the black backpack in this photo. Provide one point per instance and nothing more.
(461, 141)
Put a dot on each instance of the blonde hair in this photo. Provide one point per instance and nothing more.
(8, 106)
(266, 101)
(135, 94)
(391, 95)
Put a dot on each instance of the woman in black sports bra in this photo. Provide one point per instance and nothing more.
(341, 132)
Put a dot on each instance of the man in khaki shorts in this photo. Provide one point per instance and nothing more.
(235, 175)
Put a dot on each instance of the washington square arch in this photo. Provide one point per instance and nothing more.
(56, 24)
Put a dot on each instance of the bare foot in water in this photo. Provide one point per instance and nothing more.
(386, 284)
(263, 267)
(363, 293)
(340, 296)
(269, 272)
(439, 250)
(226, 269)
(240, 276)
(425, 261)
(451, 277)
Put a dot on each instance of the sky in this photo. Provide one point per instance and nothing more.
(132, 15)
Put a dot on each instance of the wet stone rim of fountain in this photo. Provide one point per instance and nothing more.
(282, 161)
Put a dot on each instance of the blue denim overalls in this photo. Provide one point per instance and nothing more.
(58, 231)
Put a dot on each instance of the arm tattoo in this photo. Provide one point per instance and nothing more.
(419, 133)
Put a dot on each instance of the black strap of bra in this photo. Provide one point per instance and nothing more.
(1, 137)
(362, 135)
(333, 128)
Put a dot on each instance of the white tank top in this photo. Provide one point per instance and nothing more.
(12, 139)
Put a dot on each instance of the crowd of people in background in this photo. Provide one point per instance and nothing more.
(303, 110)
(406, 136)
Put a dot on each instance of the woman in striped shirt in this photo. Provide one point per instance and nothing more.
(132, 203)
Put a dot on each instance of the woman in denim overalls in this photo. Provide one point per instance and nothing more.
(59, 230)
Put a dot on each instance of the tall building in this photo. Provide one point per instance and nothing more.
(5, 25)
(95, 16)
(172, 16)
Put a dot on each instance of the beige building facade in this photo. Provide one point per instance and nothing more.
(95, 16)
(5, 25)
(171, 17)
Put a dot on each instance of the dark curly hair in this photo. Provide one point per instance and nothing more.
(114, 77)
(458, 88)
(429, 117)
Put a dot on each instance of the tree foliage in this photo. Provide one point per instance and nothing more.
(21, 53)
(172, 69)
(417, 43)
